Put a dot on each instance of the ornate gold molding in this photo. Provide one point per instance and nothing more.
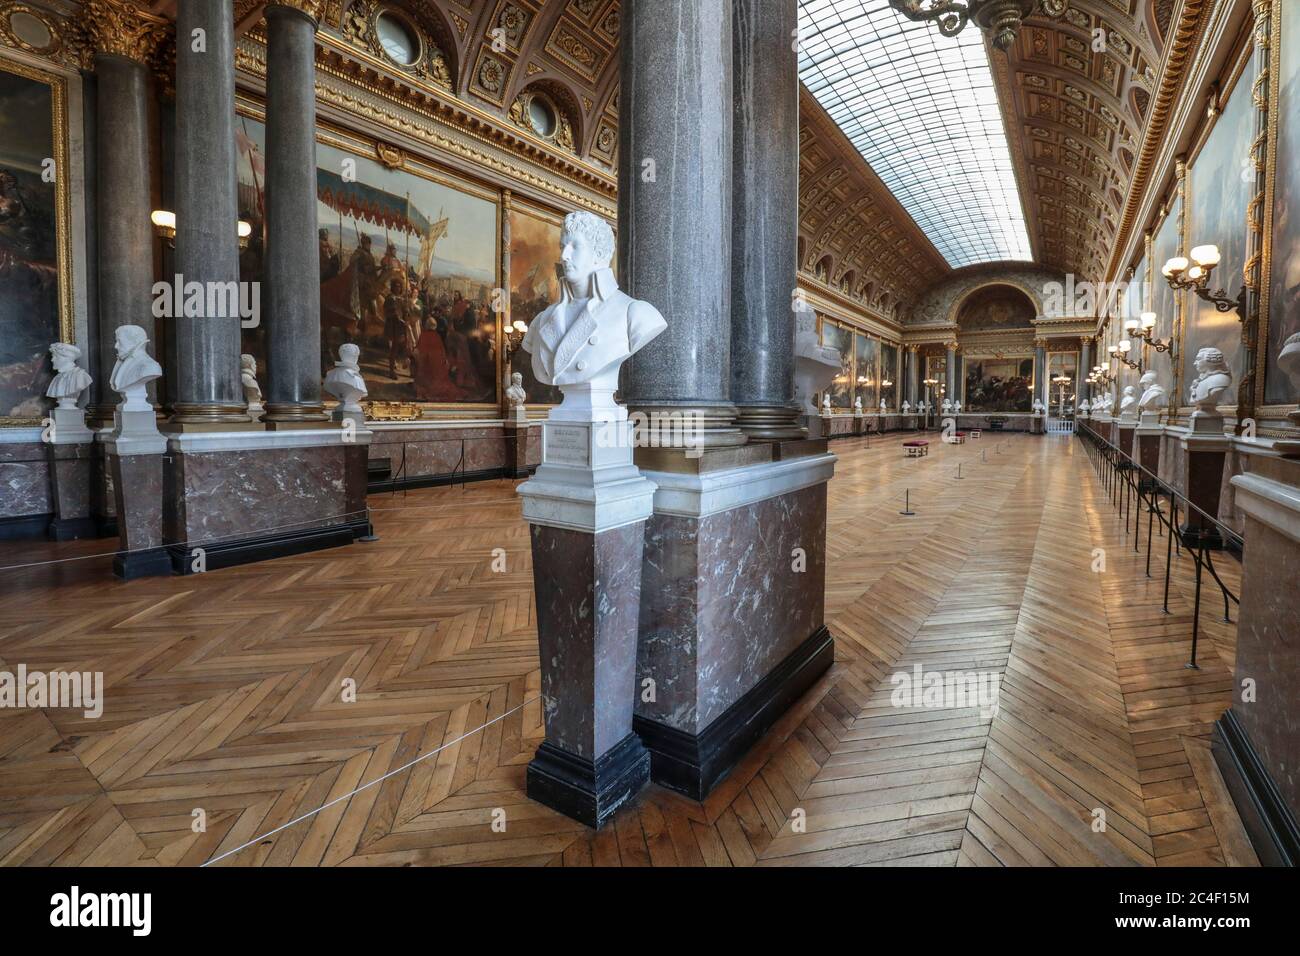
(315, 9)
(120, 28)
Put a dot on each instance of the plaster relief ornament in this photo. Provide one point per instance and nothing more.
(134, 370)
(580, 342)
(252, 391)
(1128, 404)
(516, 396)
(815, 365)
(345, 383)
(69, 380)
(1212, 380)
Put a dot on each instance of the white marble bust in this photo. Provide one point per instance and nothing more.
(907, 407)
(1128, 403)
(947, 406)
(857, 405)
(252, 391)
(515, 394)
(1212, 380)
(1037, 406)
(826, 403)
(956, 405)
(134, 370)
(1154, 396)
(69, 380)
(1288, 358)
(584, 339)
(345, 383)
(883, 407)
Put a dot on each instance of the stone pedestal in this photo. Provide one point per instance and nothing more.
(587, 507)
(1126, 438)
(1257, 742)
(1146, 440)
(245, 496)
(732, 607)
(138, 486)
(71, 466)
(1204, 449)
(1036, 425)
(519, 439)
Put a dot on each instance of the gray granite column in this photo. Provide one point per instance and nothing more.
(675, 204)
(1082, 390)
(950, 369)
(292, 257)
(125, 235)
(765, 194)
(913, 373)
(207, 213)
(1040, 371)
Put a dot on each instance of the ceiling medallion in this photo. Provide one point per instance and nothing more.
(1000, 19)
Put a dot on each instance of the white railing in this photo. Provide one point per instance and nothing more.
(1060, 426)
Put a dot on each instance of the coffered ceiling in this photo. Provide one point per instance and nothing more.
(1077, 94)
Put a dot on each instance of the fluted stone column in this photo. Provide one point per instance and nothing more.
(765, 191)
(125, 38)
(675, 205)
(207, 211)
(292, 257)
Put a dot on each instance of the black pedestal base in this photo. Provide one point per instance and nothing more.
(1193, 536)
(129, 565)
(1269, 822)
(72, 529)
(228, 554)
(588, 791)
(693, 764)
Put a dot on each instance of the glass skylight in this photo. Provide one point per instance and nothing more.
(922, 110)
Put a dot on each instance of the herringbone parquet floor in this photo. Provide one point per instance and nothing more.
(229, 735)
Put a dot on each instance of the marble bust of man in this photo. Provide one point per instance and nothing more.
(1128, 403)
(515, 394)
(344, 380)
(69, 379)
(1153, 393)
(248, 379)
(1212, 380)
(595, 327)
(135, 368)
(857, 405)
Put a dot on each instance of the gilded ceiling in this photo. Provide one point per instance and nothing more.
(1076, 94)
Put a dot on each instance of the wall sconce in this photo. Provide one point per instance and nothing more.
(1144, 328)
(164, 227)
(1121, 352)
(1195, 275)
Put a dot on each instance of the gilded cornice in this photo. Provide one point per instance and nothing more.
(315, 9)
(1178, 55)
(121, 28)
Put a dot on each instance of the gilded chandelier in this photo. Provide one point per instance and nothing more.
(1000, 19)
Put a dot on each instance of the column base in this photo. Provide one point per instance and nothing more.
(693, 764)
(585, 790)
(73, 529)
(198, 413)
(770, 422)
(708, 426)
(289, 412)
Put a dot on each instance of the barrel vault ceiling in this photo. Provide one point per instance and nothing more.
(1074, 116)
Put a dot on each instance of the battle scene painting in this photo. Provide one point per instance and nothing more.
(407, 272)
(999, 385)
(534, 285)
(29, 241)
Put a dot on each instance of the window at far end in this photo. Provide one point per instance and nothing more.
(397, 38)
(541, 116)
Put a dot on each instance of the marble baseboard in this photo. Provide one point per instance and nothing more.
(1270, 823)
(722, 605)
(24, 486)
(589, 791)
(420, 452)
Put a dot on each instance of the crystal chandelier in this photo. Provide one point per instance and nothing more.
(1000, 19)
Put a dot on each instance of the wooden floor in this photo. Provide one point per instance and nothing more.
(225, 695)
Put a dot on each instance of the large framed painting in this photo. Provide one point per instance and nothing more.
(408, 270)
(889, 375)
(534, 285)
(1219, 189)
(35, 265)
(999, 384)
(841, 388)
(1282, 280)
(866, 352)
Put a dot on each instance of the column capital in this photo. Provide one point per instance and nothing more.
(951, 346)
(314, 9)
(1040, 343)
(913, 348)
(121, 28)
